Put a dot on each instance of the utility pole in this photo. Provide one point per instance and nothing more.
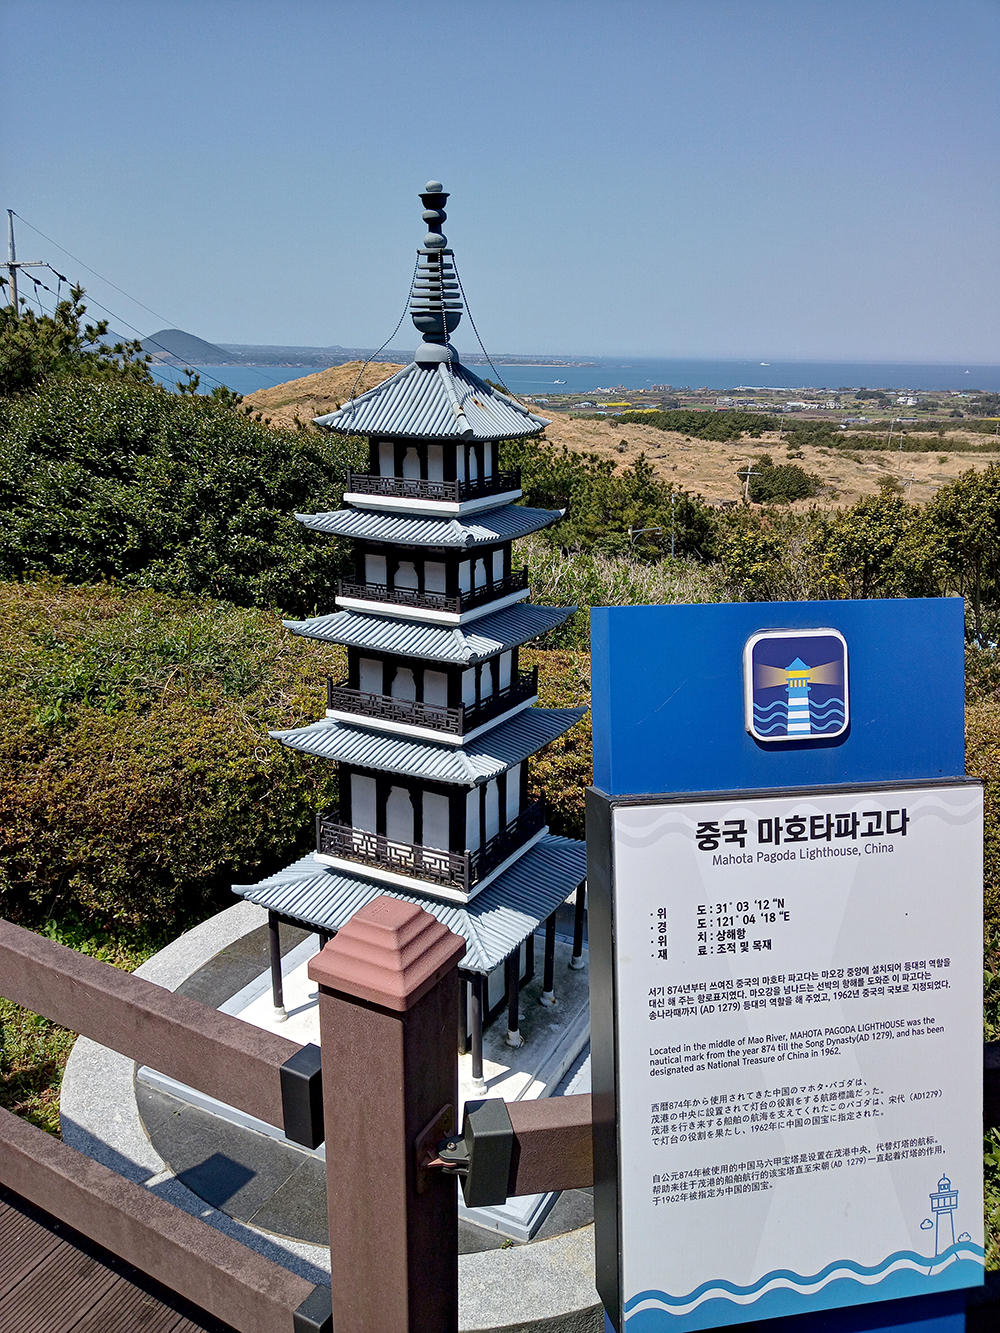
(13, 264)
(746, 475)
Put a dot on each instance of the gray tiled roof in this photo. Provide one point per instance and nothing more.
(493, 924)
(502, 524)
(468, 765)
(435, 643)
(437, 401)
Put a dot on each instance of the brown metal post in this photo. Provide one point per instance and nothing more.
(388, 1011)
(576, 962)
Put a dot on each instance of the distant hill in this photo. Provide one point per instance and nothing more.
(175, 347)
(276, 354)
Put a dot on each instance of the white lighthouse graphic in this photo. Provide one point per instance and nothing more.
(795, 685)
(944, 1201)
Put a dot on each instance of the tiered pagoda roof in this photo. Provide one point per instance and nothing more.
(465, 646)
(434, 725)
(493, 923)
(498, 525)
(501, 748)
(432, 398)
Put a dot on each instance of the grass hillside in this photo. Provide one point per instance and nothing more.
(314, 395)
(703, 467)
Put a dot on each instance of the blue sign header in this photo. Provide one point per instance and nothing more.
(752, 695)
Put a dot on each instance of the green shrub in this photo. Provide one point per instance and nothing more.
(878, 547)
(107, 479)
(139, 781)
(760, 555)
(781, 482)
(982, 760)
(706, 425)
(34, 347)
(591, 578)
(565, 769)
(604, 502)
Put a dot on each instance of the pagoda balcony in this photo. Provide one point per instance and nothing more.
(447, 492)
(450, 722)
(442, 603)
(460, 871)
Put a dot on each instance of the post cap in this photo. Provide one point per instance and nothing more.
(390, 953)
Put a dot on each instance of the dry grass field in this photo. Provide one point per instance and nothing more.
(703, 467)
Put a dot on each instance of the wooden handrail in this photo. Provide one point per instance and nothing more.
(239, 1064)
(553, 1147)
(217, 1054)
(193, 1259)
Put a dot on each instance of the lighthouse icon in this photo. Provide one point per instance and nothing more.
(795, 685)
(943, 1204)
(797, 688)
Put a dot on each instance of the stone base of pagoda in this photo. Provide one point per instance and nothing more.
(553, 1039)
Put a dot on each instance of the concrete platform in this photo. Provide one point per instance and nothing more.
(247, 1183)
(553, 1036)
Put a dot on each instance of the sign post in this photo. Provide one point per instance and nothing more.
(785, 888)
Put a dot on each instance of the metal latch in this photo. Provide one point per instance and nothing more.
(481, 1157)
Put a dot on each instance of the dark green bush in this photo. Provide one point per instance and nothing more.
(138, 779)
(564, 769)
(119, 480)
(34, 347)
(817, 433)
(603, 501)
(782, 482)
(706, 425)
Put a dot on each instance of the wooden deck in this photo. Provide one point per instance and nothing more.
(53, 1280)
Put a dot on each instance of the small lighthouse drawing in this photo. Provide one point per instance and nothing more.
(797, 687)
(943, 1204)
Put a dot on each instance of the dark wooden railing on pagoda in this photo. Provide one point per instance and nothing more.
(340, 698)
(456, 870)
(435, 601)
(417, 488)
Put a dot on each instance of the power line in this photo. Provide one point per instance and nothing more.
(89, 269)
(388, 340)
(120, 319)
(38, 283)
(152, 341)
(476, 331)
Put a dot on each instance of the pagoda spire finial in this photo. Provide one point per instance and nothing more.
(435, 302)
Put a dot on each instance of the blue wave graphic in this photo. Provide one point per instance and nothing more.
(831, 706)
(762, 710)
(773, 717)
(783, 1292)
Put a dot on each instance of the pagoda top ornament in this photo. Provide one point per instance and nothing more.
(436, 297)
(435, 396)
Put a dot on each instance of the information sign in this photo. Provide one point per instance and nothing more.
(787, 1010)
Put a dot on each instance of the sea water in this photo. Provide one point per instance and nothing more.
(642, 373)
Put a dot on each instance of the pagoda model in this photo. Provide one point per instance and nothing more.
(435, 724)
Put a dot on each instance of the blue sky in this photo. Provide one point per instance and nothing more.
(714, 178)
